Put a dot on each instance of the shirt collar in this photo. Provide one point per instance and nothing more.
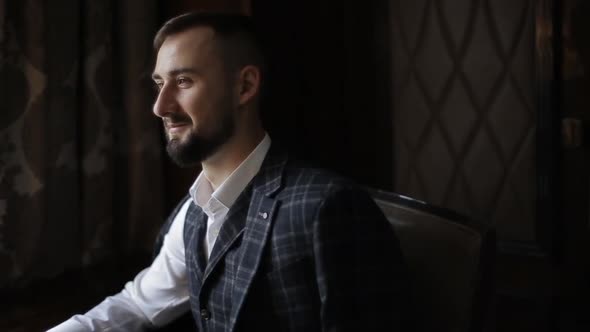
(202, 192)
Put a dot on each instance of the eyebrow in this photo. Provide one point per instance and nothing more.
(176, 72)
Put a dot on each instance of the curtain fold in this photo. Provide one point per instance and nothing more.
(80, 151)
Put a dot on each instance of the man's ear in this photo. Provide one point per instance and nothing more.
(249, 84)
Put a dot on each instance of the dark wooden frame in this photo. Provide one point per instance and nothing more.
(547, 89)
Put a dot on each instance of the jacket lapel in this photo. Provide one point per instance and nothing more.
(260, 217)
(247, 209)
(261, 213)
(251, 217)
(231, 230)
(195, 228)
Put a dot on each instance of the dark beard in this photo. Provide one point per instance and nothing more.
(197, 148)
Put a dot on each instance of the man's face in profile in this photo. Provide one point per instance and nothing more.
(195, 98)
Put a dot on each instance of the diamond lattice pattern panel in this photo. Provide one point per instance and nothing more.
(464, 109)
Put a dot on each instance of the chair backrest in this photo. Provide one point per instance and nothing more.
(449, 258)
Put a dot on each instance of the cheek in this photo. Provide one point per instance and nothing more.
(201, 112)
(204, 103)
(192, 104)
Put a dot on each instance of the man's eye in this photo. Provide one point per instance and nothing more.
(182, 81)
(158, 85)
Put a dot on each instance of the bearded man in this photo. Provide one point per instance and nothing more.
(262, 242)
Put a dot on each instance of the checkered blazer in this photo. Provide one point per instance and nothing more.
(301, 250)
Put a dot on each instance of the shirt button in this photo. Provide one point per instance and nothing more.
(205, 314)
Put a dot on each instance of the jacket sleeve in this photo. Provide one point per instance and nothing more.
(361, 276)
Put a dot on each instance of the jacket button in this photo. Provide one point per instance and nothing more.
(205, 314)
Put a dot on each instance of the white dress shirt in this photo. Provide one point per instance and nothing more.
(159, 293)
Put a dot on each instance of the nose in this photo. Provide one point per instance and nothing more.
(164, 103)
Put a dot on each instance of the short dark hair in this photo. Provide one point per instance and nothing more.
(236, 35)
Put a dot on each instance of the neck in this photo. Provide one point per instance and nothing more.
(219, 166)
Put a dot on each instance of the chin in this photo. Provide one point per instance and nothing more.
(177, 138)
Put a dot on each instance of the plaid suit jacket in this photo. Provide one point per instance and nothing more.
(301, 250)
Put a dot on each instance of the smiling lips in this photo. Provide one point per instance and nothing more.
(174, 127)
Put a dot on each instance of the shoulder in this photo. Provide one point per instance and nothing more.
(305, 184)
(313, 200)
(303, 178)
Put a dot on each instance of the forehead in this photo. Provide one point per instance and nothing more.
(189, 48)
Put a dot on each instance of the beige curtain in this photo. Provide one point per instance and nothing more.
(80, 152)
